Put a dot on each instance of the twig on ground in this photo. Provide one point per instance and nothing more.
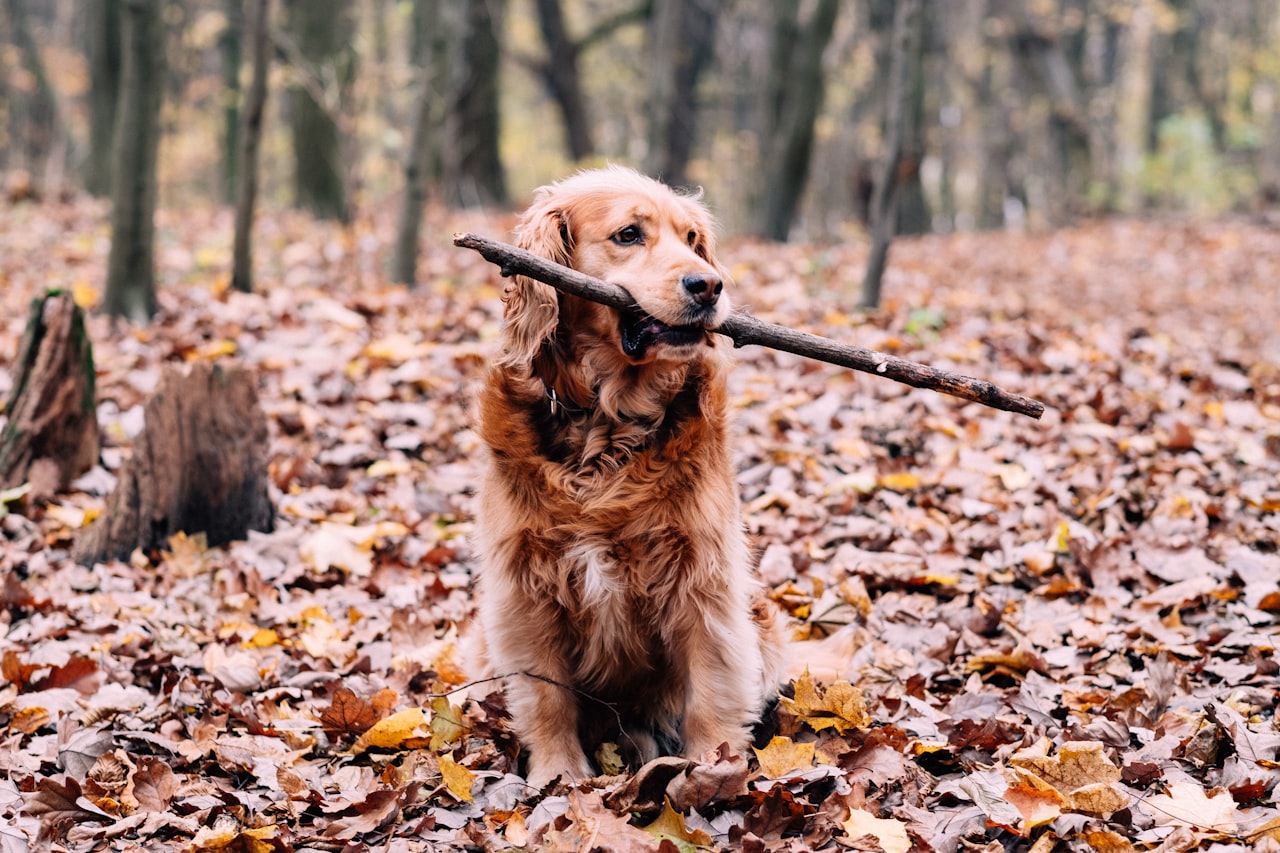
(743, 329)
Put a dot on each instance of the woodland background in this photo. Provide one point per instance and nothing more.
(1066, 628)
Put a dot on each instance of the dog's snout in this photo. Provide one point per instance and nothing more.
(704, 288)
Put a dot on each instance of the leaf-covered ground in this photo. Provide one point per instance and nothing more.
(1066, 629)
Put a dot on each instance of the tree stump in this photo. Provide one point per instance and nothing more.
(199, 465)
(53, 422)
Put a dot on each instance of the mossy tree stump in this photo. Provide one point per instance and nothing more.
(199, 465)
(52, 421)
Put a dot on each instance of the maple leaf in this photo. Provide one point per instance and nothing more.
(457, 778)
(446, 723)
(782, 756)
(232, 839)
(588, 825)
(348, 713)
(1081, 772)
(670, 826)
(890, 834)
(840, 705)
(1187, 804)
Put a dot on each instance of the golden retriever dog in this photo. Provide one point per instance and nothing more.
(615, 592)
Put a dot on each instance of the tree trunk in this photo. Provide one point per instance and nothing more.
(56, 142)
(52, 415)
(1133, 108)
(199, 465)
(884, 199)
(231, 49)
(1042, 56)
(794, 97)
(104, 40)
(250, 135)
(560, 74)
(321, 31)
(473, 162)
(681, 45)
(131, 288)
(417, 159)
(913, 208)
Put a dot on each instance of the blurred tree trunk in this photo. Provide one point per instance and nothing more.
(560, 75)
(131, 289)
(55, 146)
(103, 28)
(249, 138)
(321, 31)
(1038, 45)
(1133, 106)
(681, 45)
(913, 215)
(417, 159)
(885, 197)
(793, 96)
(473, 164)
(230, 50)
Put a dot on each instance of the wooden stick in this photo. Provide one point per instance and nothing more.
(743, 329)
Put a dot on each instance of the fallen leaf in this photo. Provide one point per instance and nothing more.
(782, 756)
(1187, 804)
(890, 834)
(457, 778)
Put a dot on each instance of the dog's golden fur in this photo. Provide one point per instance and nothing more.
(615, 576)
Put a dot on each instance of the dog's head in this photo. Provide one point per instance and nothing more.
(632, 231)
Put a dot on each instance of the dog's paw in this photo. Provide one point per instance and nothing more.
(570, 770)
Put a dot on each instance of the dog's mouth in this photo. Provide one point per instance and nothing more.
(641, 331)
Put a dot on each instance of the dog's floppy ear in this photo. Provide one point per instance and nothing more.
(533, 308)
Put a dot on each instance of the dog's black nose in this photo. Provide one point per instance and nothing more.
(704, 288)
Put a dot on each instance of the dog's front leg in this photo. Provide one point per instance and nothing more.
(545, 717)
(722, 693)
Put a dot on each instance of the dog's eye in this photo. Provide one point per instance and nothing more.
(629, 236)
(693, 238)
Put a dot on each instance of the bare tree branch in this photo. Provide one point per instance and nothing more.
(744, 329)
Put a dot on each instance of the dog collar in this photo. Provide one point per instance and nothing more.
(559, 405)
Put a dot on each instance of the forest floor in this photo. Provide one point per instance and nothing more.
(1066, 628)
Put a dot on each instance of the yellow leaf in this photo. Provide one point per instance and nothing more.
(841, 706)
(457, 778)
(783, 755)
(262, 638)
(213, 350)
(407, 729)
(609, 760)
(84, 293)
(27, 720)
(889, 833)
(670, 825)
(903, 481)
(446, 723)
(213, 839)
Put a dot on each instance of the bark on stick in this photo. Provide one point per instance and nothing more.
(744, 329)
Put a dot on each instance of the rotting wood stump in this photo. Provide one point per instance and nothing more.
(51, 435)
(199, 465)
